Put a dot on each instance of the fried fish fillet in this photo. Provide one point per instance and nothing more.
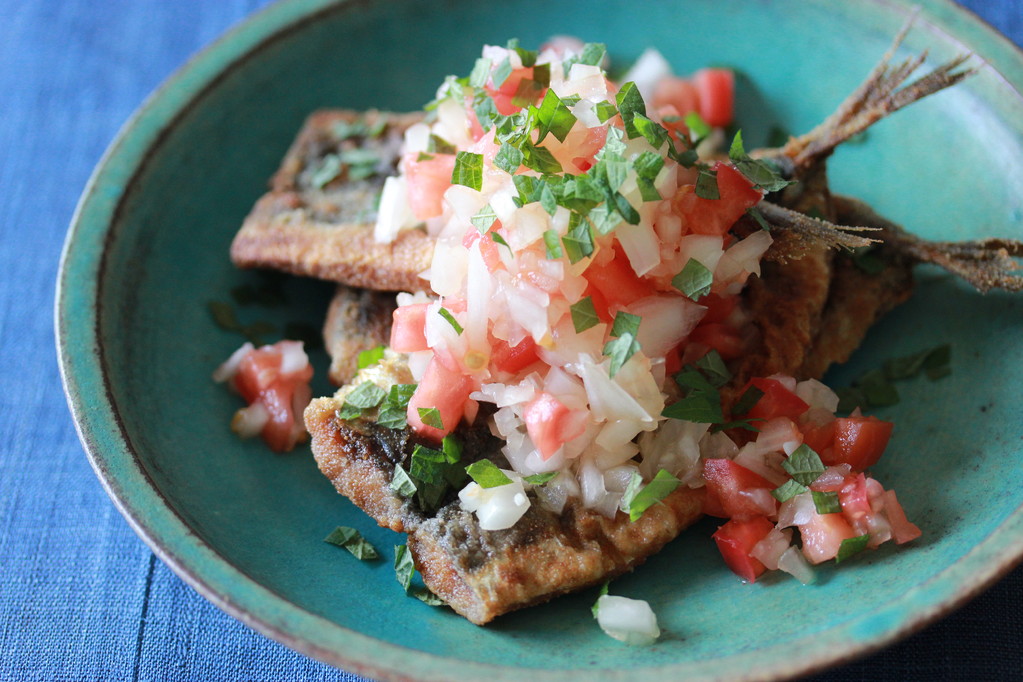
(317, 219)
(357, 320)
(483, 574)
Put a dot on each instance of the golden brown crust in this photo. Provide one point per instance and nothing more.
(357, 320)
(322, 226)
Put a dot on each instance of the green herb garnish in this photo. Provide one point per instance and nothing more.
(487, 474)
(826, 502)
(584, 315)
(625, 345)
(638, 497)
(804, 465)
(694, 281)
(371, 356)
(352, 540)
(851, 547)
(404, 569)
(788, 490)
(540, 479)
(762, 173)
(446, 314)
(468, 170)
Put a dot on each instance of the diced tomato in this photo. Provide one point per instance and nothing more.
(902, 529)
(678, 93)
(729, 488)
(550, 423)
(777, 400)
(819, 437)
(428, 179)
(823, 534)
(716, 216)
(736, 539)
(715, 90)
(504, 95)
(719, 307)
(445, 390)
(513, 359)
(617, 281)
(859, 441)
(488, 247)
(599, 303)
(855, 503)
(720, 337)
(259, 378)
(408, 331)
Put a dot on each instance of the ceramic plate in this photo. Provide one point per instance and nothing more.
(148, 251)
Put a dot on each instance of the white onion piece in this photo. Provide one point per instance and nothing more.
(706, 249)
(229, 368)
(752, 457)
(607, 399)
(779, 435)
(675, 446)
(417, 363)
(794, 563)
(497, 508)
(628, 620)
(650, 68)
(797, 511)
(394, 213)
(666, 321)
(640, 245)
(832, 478)
(769, 550)
(556, 492)
(762, 499)
(249, 421)
(816, 394)
(718, 446)
(293, 357)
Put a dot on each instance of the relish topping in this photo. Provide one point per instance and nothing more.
(583, 254)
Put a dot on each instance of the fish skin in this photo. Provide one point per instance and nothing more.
(357, 320)
(483, 574)
(327, 232)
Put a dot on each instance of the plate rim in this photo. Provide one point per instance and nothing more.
(116, 462)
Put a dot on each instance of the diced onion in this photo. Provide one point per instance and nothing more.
(628, 620)
(227, 370)
(249, 421)
(795, 564)
(769, 550)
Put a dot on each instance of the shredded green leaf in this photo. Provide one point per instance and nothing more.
(694, 281)
(584, 315)
(446, 314)
(804, 465)
(365, 395)
(402, 483)
(468, 170)
(637, 500)
(851, 547)
(826, 502)
(487, 474)
(352, 540)
(431, 417)
(371, 356)
(540, 479)
(788, 490)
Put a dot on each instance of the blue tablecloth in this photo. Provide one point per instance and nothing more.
(81, 597)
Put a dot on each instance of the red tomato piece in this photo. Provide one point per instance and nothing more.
(777, 401)
(721, 337)
(729, 488)
(719, 307)
(427, 180)
(736, 539)
(679, 93)
(445, 390)
(617, 281)
(715, 90)
(822, 536)
(504, 95)
(716, 216)
(854, 500)
(902, 529)
(859, 441)
(550, 423)
(259, 379)
(408, 331)
(513, 359)
(819, 437)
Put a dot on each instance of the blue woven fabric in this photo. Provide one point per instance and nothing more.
(81, 597)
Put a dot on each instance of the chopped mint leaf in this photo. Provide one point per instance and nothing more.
(761, 172)
(605, 111)
(625, 323)
(365, 395)
(423, 156)
(752, 212)
(527, 92)
(620, 350)
(371, 356)
(552, 240)
(540, 479)
(630, 103)
(402, 484)
(804, 465)
(749, 398)
(938, 363)
(648, 165)
(446, 314)
(399, 395)
(584, 315)
(707, 185)
(625, 209)
(468, 170)
(595, 609)
(484, 219)
(713, 368)
(485, 109)
(788, 490)
(654, 133)
(501, 72)
(605, 220)
(662, 485)
(438, 145)
(694, 281)
(879, 391)
(329, 169)
(508, 158)
(487, 474)
(528, 57)
(500, 240)
(826, 502)
(424, 595)
(579, 241)
(851, 547)
(698, 407)
(540, 159)
(542, 74)
(452, 449)
(431, 417)
(480, 72)
(427, 464)
(554, 118)
(698, 128)
(403, 566)
(352, 540)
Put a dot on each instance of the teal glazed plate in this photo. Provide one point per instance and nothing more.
(148, 251)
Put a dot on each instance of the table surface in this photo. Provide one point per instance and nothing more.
(83, 598)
